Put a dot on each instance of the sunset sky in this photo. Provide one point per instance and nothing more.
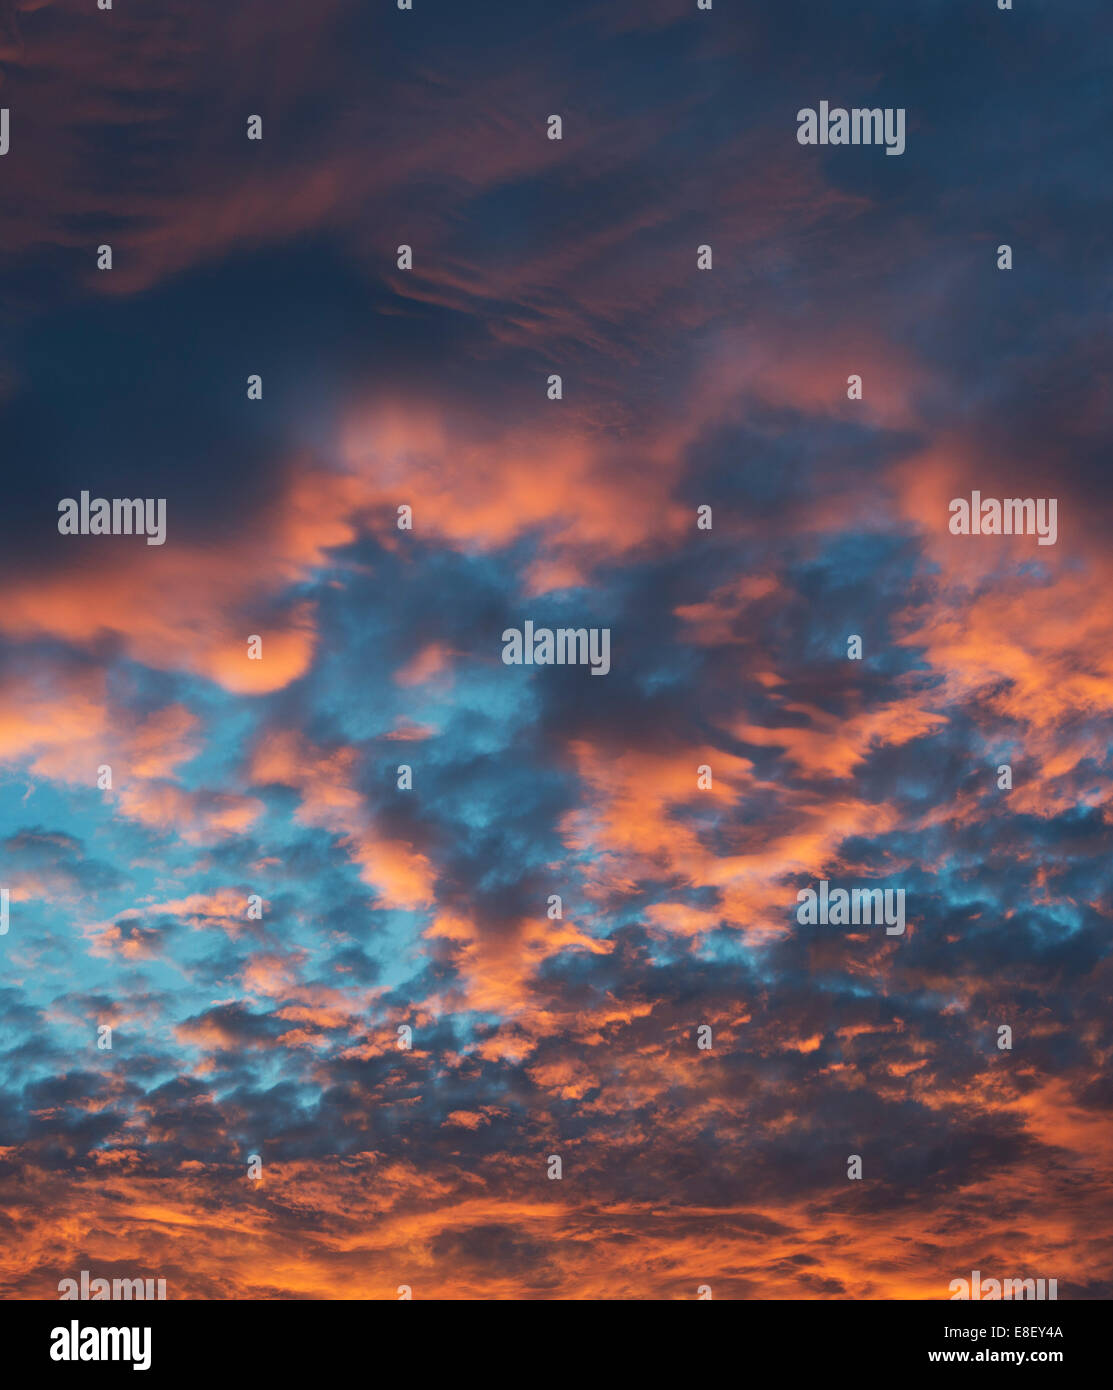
(427, 907)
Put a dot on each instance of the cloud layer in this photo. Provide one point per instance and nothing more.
(274, 1031)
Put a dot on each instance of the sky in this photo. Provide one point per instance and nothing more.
(258, 1128)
